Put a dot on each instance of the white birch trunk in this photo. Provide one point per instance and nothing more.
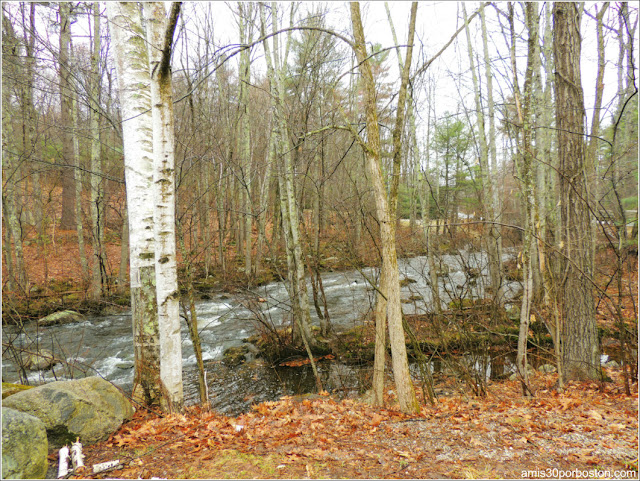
(164, 209)
(63, 462)
(77, 457)
(132, 67)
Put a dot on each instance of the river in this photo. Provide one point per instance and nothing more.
(104, 345)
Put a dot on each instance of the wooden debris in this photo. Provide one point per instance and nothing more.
(63, 464)
(77, 458)
(106, 466)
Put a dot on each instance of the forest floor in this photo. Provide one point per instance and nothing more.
(588, 430)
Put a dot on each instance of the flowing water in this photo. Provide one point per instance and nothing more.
(104, 345)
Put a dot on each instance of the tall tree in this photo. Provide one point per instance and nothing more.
(390, 281)
(526, 170)
(132, 66)
(487, 149)
(276, 65)
(581, 356)
(160, 31)
(12, 245)
(97, 205)
(244, 136)
(67, 220)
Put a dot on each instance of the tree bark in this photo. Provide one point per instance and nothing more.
(244, 137)
(391, 287)
(490, 169)
(84, 266)
(160, 31)
(96, 184)
(67, 220)
(132, 67)
(579, 334)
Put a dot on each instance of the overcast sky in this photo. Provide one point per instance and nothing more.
(437, 21)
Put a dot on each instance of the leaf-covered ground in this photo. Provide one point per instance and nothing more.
(590, 427)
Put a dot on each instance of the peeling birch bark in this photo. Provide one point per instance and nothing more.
(63, 463)
(106, 466)
(77, 458)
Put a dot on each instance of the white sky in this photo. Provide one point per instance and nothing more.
(437, 21)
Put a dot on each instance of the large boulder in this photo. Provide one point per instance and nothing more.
(61, 317)
(24, 446)
(9, 388)
(89, 408)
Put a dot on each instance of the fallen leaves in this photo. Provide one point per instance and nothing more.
(319, 436)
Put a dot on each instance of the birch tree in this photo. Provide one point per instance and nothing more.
(160, 30)
(139, 142)
(276, 65)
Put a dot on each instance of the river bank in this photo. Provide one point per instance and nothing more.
(588, 427)
(56, 281)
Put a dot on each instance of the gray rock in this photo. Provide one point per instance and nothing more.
(235, 355)
(8, 388)
(24, 446)
(61, 317)
(40, 361)
(89, 408)
(530, 370)
(547, 368)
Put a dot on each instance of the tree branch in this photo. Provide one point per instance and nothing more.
(446, 46)
(165, 62)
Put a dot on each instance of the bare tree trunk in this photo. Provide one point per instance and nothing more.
(384, 207)
(525, 169)
(192, 319)
(132, 67)
(275, 72)
(490, 167)
(580, 336)
(244, 139)
(544, 188)
(97, 187)
(263, 210)
(67, 221)
(160, 30)
(78, 190)
(12, 244)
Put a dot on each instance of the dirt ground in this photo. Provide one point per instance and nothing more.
(590, 429)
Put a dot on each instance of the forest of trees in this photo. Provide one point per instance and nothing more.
(169, 143)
